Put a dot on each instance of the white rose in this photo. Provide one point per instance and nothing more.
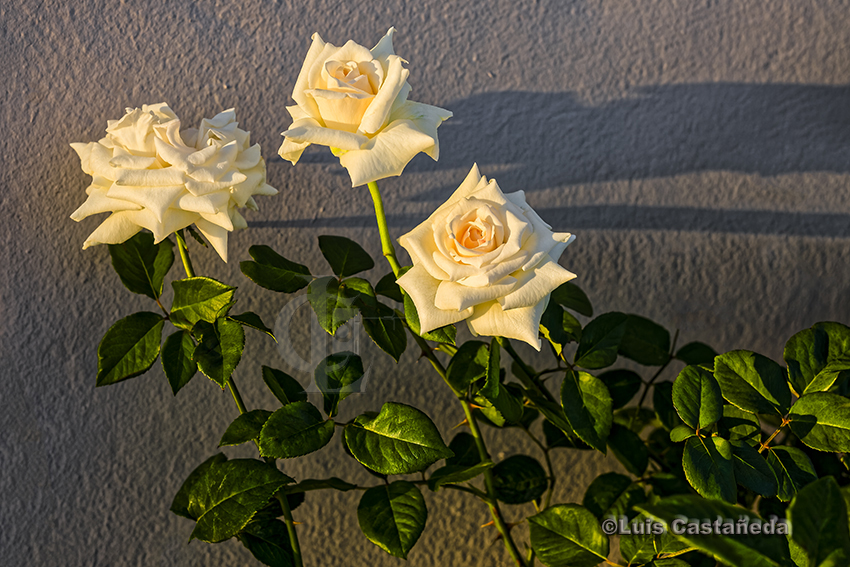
(485, 257)
(355, 101)
(149, 174)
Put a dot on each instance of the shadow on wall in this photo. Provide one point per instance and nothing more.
(544, 140)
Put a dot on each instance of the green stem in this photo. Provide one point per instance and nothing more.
(386, 242)
(240, 404)
(530, 380)
(237, 397)
(489, 483)
(184, 254)
(290, 528)
(766, 444)
(492, 503)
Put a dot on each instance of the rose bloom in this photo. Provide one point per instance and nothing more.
(150, 174)
(485, 257)
(355, 101)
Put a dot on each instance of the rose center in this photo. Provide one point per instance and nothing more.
(474, 234)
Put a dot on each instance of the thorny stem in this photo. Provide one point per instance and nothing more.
(386, 242)
(492, 503)
(240, 404)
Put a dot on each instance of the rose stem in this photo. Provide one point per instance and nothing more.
(389, 253)
(386, 242)
(184, 254)
(492, 502)
(240, 405)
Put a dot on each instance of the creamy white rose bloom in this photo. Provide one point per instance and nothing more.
(354, 100)
(485, 257)
(150, 174)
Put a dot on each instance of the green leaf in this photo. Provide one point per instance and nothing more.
(332, 483)
(228, 495)
(180, 504)
(810, 352)
(739, 425)
(386, 329)
(570, 296)
(739, 550)
(338, 376)
(250, 319)
(129, 348)
(637, 418)
(219, 349)
(697, 354)
(822, 421)
(645, 342)
(245, 428)
(197, 236)
(600, 341)
(557, 438)
(141, 264)
(559, 327)
(468, 365)
(284, 387)
(268, 542)
(587, 408)
(399, 440)
(752, 382)
(446, 334)
(388, 287)
(819, 517)
(708, 467)
(490, 389)
(793, 470)
(333, 303)
(696, 397)
(622, 385)
(752, 471)
(199, 299)
(504, 409)
(519, 479)
(393, 517)
(272, 271)
(835, 371)
(662, 400)
(567, 534)
(681, 433)
(456, 474)
(294, 430)
(629, 449)
(345, 256)
(612, 495)
(638, 548)
(465, 451)
(177, 360)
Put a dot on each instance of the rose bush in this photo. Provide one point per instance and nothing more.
(354, 100)
(150, 174)
(485, 257)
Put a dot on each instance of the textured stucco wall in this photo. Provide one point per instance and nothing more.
(700, 149)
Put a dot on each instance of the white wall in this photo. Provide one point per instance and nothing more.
(699, 150)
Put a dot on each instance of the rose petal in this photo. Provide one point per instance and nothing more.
(522, 324)
(317, 49)
(534, 285)
(309, 130)
(341, 110)
(378, 113)
(386, 154)
(384, 47)
(420, 244)
(155, 199)
(291, 151)
(426, 118)
(456, 297)
(97, 202)
(117, 228)
(422, 289)
(215, 235)
(350, 51)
